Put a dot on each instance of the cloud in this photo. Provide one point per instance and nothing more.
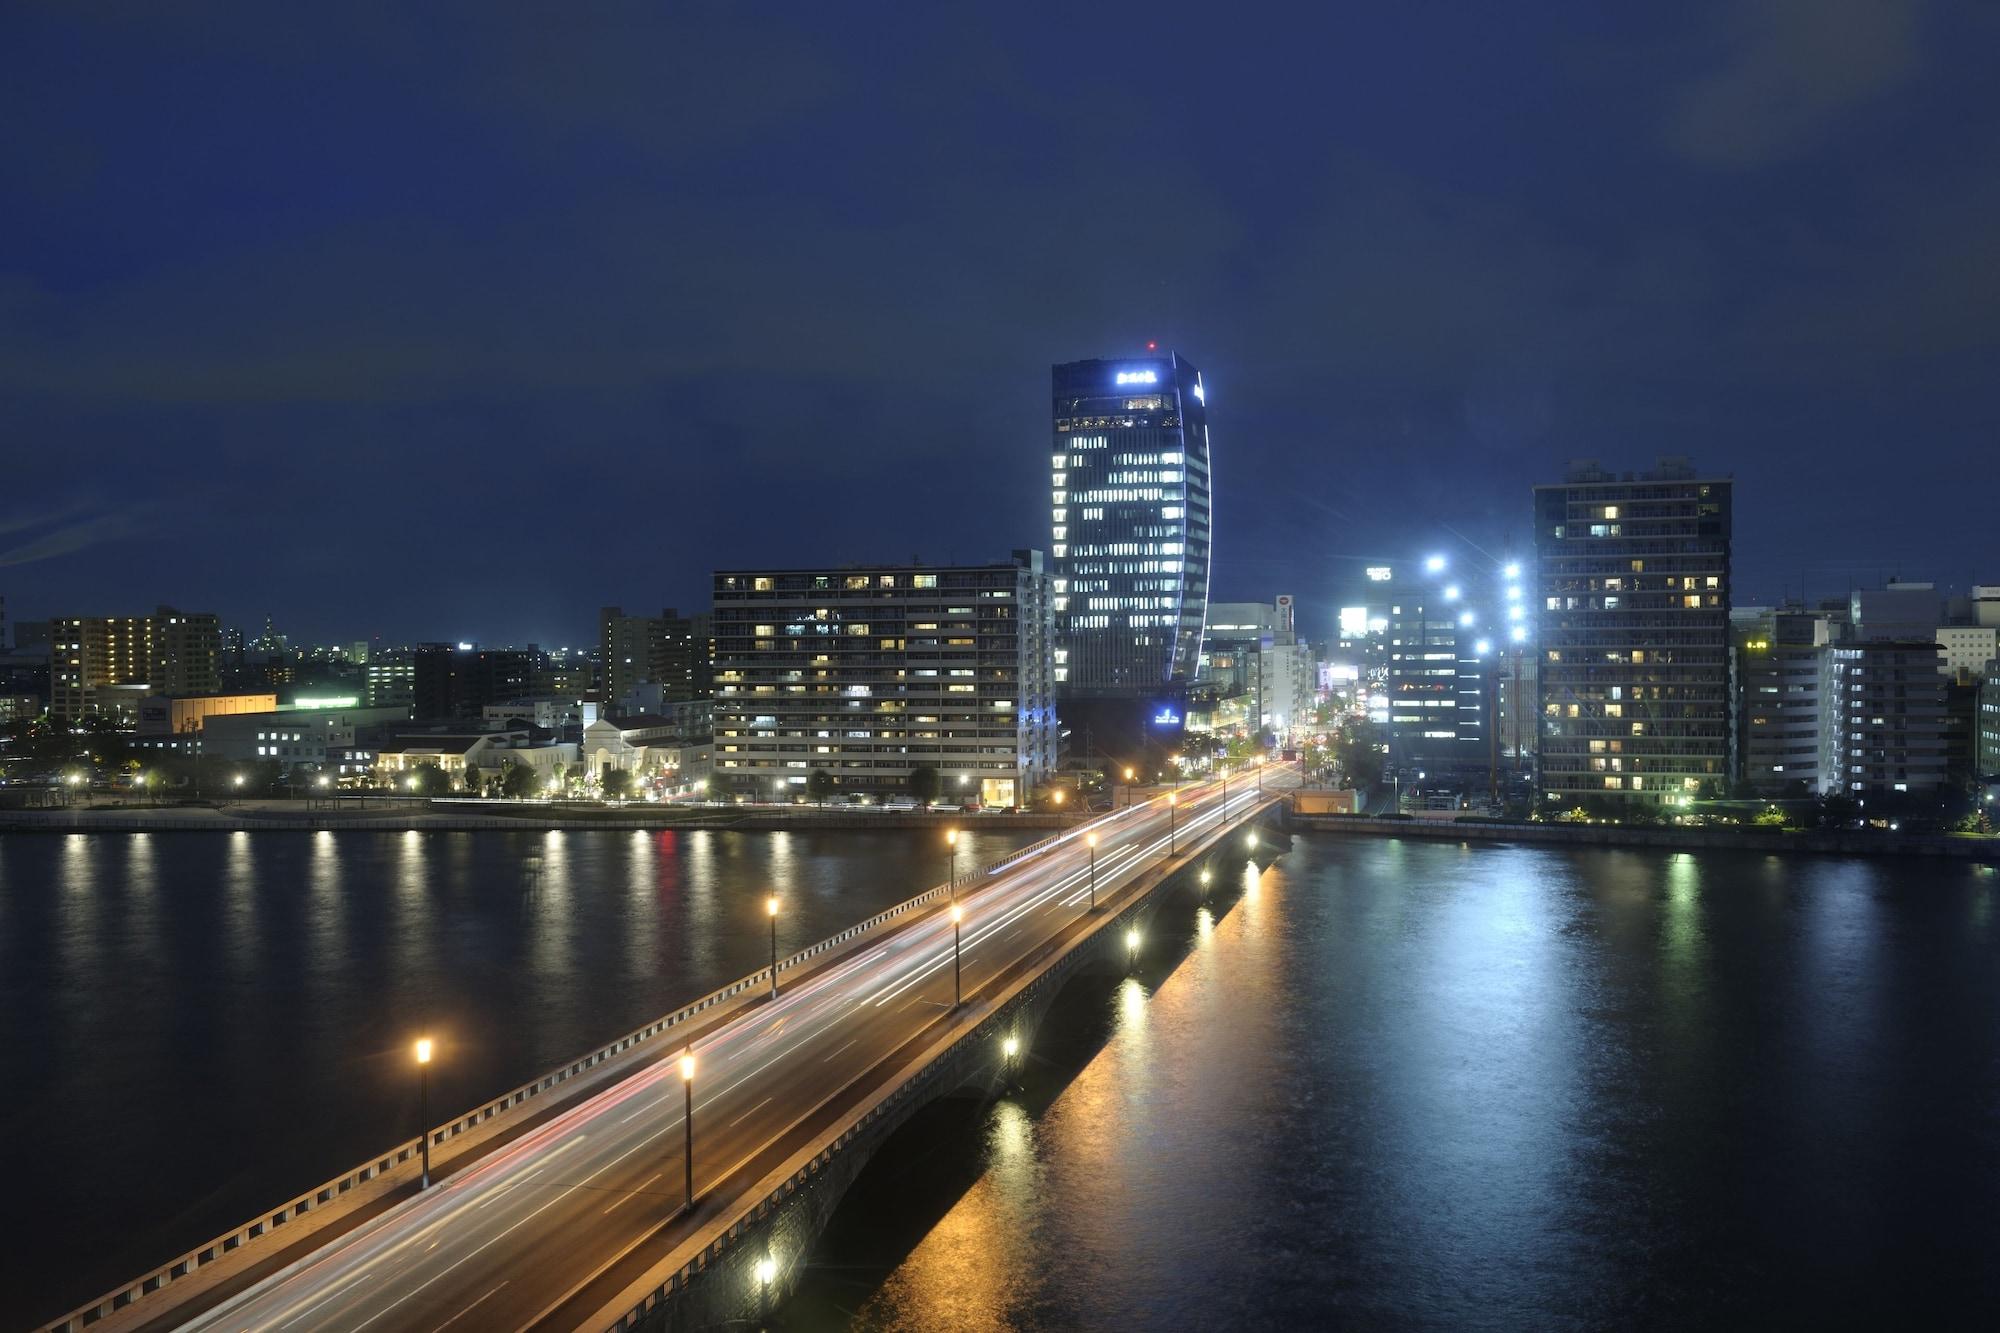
(70, 538)
(1794, 67)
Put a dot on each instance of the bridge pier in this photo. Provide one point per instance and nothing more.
(754, 1266)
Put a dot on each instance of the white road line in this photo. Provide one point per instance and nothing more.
(467, 1310)
(752, 1111)
(843, 1046)
(637, 1190)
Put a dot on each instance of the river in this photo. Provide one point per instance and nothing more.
(1422, 1086)
(196, 1025)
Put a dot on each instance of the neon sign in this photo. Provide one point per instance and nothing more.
(1138, 377)
(1166, 717)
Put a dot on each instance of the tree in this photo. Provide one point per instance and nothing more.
(473, 778)
(427, 780)
(1709, 790)
(617, 782)
(1358, 751)
(923, 784)
(819, 785)
(518, 782)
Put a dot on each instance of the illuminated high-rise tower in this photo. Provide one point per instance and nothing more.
(1130, 485)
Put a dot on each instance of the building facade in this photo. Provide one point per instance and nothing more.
(1633, 615)
(1130, 497)
(458, 681)
(1780, 661)
(1888, 722)
(669, 650)
(869, 673)
(105, 664)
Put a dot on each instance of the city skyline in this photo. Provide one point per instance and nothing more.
(351, 285)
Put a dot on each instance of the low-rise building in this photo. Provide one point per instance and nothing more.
(180, 715)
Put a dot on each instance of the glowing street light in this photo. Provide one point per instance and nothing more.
(424, 1105)
(771, 910)
(687, 1121)
(1434, 564)
(1128, 788)
(957, 993)
(1513, 569)
(1519, 634)
(1451, 592)
(1090, 841)
(1465, 618)
(1483, 647)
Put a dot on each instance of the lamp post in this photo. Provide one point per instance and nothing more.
(951, 862)
(957, 993)
(1090, 841)
(687, 1122)
(771, 910)
(1128, 788)
(1225, 796)
(1173, 802)
(424, 1105)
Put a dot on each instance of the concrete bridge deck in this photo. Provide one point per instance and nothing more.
(581, 1222)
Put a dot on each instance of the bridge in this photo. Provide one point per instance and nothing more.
(686, 1181)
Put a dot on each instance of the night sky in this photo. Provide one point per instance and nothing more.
(447, 322)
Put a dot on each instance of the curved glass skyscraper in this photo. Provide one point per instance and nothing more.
(1130, 490)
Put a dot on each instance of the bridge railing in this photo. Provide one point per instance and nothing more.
(342, 1186)
(883, 1105)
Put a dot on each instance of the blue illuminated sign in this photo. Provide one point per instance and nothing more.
(1138, 377)
(1166, 717)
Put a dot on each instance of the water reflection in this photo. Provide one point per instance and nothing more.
(1414, 1085)
(266, 987)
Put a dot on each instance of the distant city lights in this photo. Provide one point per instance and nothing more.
(1465, 617)
(1513, 569)
(1435, 564)
(1451, 592)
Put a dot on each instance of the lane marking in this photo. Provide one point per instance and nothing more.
(637, 1190)
(468, 1309)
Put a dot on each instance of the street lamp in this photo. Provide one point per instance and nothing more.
(957, 994)
(687, 1121)
(1128, 788)
(1090, 841)
(951, 862)
(771, 910)
(424, 1104)
(1173, 802)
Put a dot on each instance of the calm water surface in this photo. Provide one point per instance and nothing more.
(1405, 1085)
(194, 1025)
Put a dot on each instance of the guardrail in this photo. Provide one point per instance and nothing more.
(265, 1224)
(883, 1105)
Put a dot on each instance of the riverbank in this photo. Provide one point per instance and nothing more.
(436, 817)
(1825, 842)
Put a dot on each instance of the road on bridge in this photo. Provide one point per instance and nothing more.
(546, 1229)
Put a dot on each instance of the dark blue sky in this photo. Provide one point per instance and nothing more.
(434, 321)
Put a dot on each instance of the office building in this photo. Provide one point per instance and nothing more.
(1898, 610)
(1780, 660)
(1129, 487)
(391, 680)
(1964, 650)
(1633, 617)
(1440, 660)
(1888, 721)
(458, 681)
(107, 664)
(669, 650)
(870, 672)
(1986, 756)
